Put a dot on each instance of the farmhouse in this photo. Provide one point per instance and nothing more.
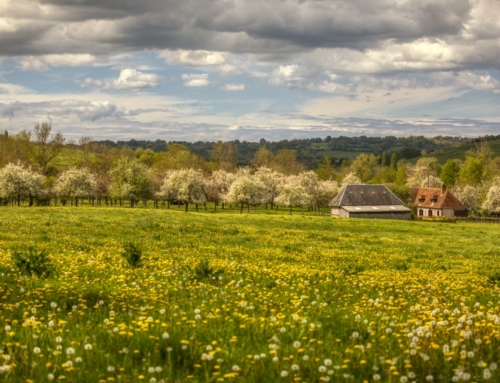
(369, 201)
(434, 202)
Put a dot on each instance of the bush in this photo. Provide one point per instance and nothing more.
(32, 263)
(204, 271)
(133, 254)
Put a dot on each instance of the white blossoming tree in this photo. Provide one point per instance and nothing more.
(326, 191)
(76, 184)
(218, 185)
(468, 195)
(293, 194)
(492, 201)
(350, 179)
(272, 180)
(18, 182)
(247, 190)
(187, 186)
(131, 180)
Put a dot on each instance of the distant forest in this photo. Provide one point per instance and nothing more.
(310, 151)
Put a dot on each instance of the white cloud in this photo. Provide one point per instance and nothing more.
(61, 110)
(233, 87)
(194, 57)
(129, 79)
(6, 88)
(194, 80)
(44, 62)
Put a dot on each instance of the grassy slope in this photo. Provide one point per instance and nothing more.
(459, 153)
(292, 271)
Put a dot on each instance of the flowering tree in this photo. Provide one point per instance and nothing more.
(310, 183)
(468, 195)
(132, 180)
(76, 183)
(187, 186)
(292, 193)
(492, 201)
(326, 191)
(218, 185)
(272, 181)
(350, 179)
(247, 190)
(18, 181)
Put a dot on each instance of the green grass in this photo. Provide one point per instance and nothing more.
(258, 297)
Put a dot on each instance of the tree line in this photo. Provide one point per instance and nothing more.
(40, 167)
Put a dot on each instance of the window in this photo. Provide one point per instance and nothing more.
(421, 213)
(430, 213)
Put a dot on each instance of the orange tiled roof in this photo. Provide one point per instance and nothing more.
(436, 198)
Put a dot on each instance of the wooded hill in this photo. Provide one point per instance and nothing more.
(310, 151)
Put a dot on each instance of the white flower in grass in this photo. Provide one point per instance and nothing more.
(284, 373)
(37, 350)
(87, 347)
(70, 351)
(111, 368)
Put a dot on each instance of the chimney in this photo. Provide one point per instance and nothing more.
(443, 189)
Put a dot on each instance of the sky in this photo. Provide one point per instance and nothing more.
(249, 69)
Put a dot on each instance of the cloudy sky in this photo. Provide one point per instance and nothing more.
(226, 69)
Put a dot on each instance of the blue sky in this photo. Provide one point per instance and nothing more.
(234, 69)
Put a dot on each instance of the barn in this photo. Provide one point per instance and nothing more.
(369, 201)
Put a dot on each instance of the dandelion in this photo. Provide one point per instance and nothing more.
(158, 369)
(276, 359)
(78, 360)
(50, 376)
(296, 344)
(236, 368)
(327, 362)
(376, 377)
(111, 368)
(295, 367)
(87, 347)
(282, 329)
(305, 358)
(284, 373)
(165, 335)
(322, 369)
(151, 370)
(493, 366)
(36, 350)
(355, 335)
(70, 351)
(59, 339)
(429, 378)
(53, 305)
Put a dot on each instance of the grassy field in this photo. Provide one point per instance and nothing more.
(247, 298)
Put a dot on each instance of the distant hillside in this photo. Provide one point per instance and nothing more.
(459, 152)
(310, 151)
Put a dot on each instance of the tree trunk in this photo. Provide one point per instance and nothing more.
(241, 209)
(31, 201)
(248, 207)
(205, 204)
(302, 209)
(290, 210)
(187, 204)
(196, 207)
(18, 200)
(215, 205)
(168, 204)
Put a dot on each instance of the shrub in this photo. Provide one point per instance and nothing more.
(32, 263)
(133, 254)
(204, 271)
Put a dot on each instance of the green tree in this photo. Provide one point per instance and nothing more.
(394, 161)
(45, 146)
(449, 173)
(383, 160)
(325, 170)
(472, 172)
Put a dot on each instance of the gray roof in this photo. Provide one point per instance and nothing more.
(365, 195)
(376, 209)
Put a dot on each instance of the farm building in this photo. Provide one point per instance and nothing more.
(434, 202)
(369, 201)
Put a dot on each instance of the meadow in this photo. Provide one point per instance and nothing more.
(224, 297)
